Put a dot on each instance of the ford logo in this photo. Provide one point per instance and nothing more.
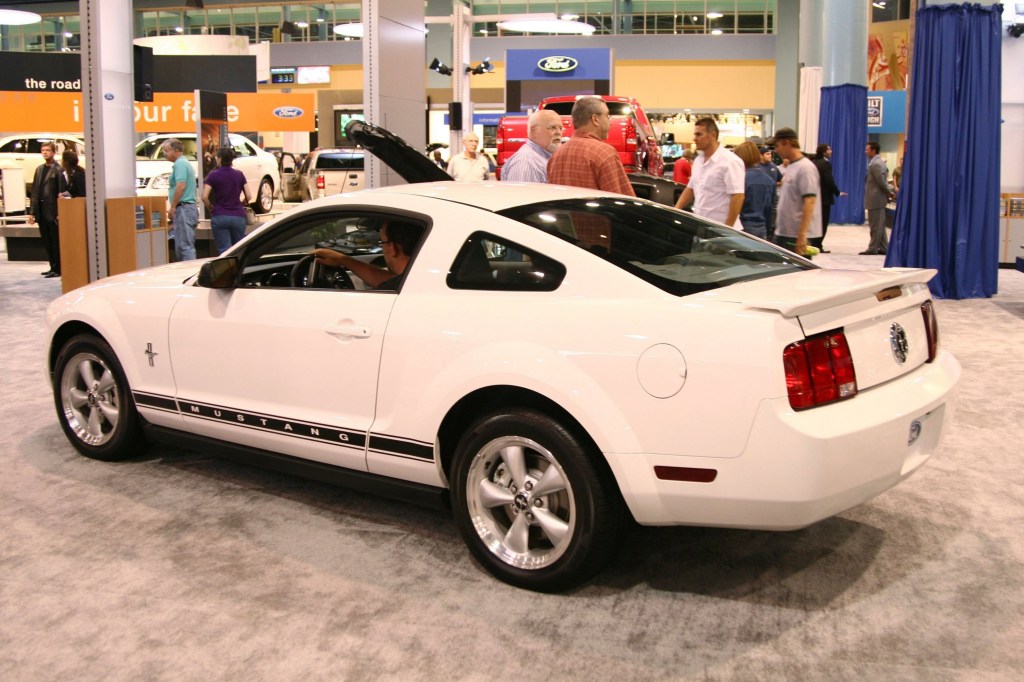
(288, 112)
(558, 64)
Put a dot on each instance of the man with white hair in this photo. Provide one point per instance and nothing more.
(530, 163)
(470, 165)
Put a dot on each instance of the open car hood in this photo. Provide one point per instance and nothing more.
(404, 160)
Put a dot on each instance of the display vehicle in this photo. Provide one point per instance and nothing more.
(24, 151)
(552, 363)
(260, 167)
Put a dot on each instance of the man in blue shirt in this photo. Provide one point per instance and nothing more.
(182, 197)
(530, 163)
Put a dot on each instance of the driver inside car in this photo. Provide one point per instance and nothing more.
(397, 241)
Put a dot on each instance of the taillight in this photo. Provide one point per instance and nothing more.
(321, 182)
(931, 329)
(500, 144)
(819, 370)
(630, 133)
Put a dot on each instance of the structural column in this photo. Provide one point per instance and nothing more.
(394, 97)
(108, 117)
(844, 47)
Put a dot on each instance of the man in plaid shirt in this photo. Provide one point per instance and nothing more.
(586, 160)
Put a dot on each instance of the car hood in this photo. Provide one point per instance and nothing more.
(148, 168)
(403, 159)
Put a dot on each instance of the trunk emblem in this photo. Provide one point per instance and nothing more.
(898, 342)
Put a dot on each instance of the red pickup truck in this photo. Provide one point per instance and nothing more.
(631, 133)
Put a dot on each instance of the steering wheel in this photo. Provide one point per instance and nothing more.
(308, 273)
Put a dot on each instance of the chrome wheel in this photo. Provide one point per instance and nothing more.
(94, 402)
(264, 197)
(534, 501)
(89, 396)
(520, 502)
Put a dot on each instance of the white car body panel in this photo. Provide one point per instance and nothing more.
(601, 346)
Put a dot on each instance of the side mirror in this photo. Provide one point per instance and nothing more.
(218, 274)
(668, 138)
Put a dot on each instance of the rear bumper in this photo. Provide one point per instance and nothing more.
(801, 467)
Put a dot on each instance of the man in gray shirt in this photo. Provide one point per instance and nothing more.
(799, 212)
(530, 162)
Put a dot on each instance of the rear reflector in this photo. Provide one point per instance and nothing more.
(686, 474)
(819, 370)
(931, 328)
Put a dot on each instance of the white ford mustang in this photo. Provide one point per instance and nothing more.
(553, 361)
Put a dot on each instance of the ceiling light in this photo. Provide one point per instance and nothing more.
(715, 15)
(16, 17)
(302, 24)
(351, 30)
(179, 29)
(546, 26)
(716, 32)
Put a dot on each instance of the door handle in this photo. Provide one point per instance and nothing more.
(353, 331)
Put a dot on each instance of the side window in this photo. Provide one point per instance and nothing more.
(242, 149)
(13, 147)
(491, 263)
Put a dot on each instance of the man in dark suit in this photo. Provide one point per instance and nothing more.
(43, 209)
(876, 196)
(829, 190)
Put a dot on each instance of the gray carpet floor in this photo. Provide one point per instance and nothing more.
(182, 567)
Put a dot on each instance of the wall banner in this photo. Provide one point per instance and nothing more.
(34, 111)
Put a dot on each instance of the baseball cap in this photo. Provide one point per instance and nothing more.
(782, 134)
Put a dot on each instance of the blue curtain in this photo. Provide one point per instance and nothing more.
(842, 124)
(947, 214)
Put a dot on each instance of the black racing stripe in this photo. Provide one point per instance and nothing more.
(287, 427)
(159, 402)
(388, 445)
(321, 433)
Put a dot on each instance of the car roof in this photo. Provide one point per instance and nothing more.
(491, 196)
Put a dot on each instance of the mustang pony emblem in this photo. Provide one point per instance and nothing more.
(899, 343)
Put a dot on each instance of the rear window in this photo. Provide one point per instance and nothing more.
(339, 161)
(673, 250)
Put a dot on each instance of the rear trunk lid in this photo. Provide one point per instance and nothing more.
(879, 311)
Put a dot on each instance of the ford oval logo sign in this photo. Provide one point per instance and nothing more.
(557, 64)
(288, 112)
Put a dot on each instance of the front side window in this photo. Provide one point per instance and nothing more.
(673, 250)
(282, 259)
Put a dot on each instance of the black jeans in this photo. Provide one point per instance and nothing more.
(51, 242)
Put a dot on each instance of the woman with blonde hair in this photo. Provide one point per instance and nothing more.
(759, 192)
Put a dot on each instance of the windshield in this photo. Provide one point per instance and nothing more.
(673, 250)
(153, 148)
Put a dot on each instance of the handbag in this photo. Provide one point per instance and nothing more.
(250, 216)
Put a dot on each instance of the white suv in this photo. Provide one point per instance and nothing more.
(153, 171)
(23, 151)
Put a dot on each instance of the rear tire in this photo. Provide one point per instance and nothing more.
(93, 400)
(532, 503)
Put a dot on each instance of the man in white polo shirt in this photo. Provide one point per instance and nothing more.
(716, 184)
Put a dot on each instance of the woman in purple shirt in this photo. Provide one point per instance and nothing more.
(221, 196)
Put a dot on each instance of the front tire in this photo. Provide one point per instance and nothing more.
(93, 400)
(532, 503)
(264, 197)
